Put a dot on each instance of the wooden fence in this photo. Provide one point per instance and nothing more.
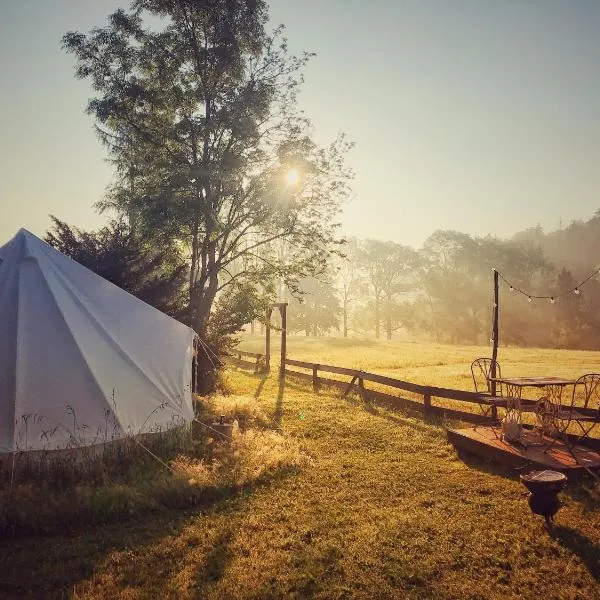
(428, 393)
(237, 358)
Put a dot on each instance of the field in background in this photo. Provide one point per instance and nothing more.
(441, 365)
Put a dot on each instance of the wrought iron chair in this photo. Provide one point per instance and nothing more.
(583, 410)
(481, 369)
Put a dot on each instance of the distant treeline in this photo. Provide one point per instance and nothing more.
(443, 291)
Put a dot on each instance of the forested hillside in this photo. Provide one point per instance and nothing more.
(443, 291)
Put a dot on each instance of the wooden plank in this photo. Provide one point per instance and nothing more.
(250, 354)
(238, 362)
(339, 370)
(298, 363)
(428, 390)
(325, 368)
(485, 441)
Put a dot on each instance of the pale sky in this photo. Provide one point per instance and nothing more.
(476, 115)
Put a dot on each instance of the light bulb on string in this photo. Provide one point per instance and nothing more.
(511, 288)
(576, 290)
(529, 299)
(552, 300)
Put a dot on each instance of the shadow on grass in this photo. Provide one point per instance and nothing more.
(260, 387)
(585, 549)
(487, 465)
(50, 566)
(279, 404)
(216, 562)
(141, 555)
(588, 493)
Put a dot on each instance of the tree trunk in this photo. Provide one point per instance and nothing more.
(388, 319)
(345, 311)
(376, 315)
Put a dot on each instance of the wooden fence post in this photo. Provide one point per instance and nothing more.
(268, 341)
(283, 311)
(494, 334)
(427, 404)
(361, 388)
(315, 377)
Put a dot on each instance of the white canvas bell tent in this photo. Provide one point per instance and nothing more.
(82, 361)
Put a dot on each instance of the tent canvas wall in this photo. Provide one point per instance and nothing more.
(81, 360)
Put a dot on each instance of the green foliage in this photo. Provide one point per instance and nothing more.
(235, 307)
(315, 311)
(196, 104)
(390, 270)
(154, 273)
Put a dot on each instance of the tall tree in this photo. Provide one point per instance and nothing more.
(390, 271)
(316, 310)
(457, 279)
(196, 104)
(348, 279)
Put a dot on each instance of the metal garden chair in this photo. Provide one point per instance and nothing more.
(481, 369)
(582, 410)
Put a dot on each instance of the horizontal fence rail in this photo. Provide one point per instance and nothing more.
(237, 358)
(428, 392)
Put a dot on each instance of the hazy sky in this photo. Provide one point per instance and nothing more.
(476, 115)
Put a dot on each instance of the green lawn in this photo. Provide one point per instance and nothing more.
(371, 504)
(442, 365)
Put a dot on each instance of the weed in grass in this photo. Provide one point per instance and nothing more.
(139, 483)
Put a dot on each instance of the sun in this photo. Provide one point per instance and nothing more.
(292, 177)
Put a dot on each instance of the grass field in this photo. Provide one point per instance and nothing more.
(441, 365)
(348, 500)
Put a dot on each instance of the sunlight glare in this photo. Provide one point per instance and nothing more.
(292, 177)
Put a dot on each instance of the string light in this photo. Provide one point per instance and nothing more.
(552, 299)
(530, 297)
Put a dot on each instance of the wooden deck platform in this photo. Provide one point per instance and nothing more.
(485, 441)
